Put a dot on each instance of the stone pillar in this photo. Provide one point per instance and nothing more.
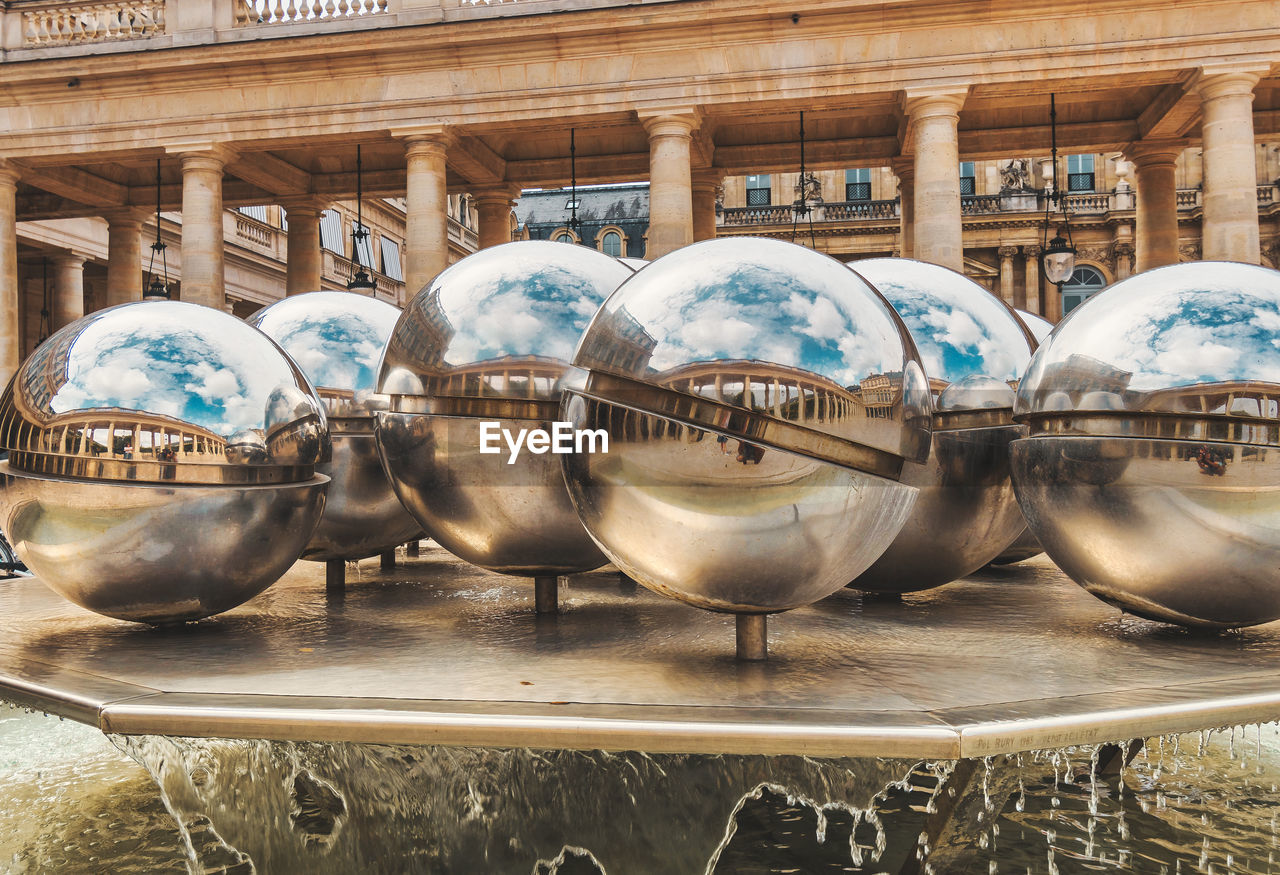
(1157, 203)
(1124, 251)
(1006, 254)
(670, 181)
(10, 329)
(1230, 183)
(705, 185)
(905, 169)
(493, 214)
(426, 245)
(933, 120)
(304, 263)
(1032, 256)
(124, 256)
(203, 280)
(67, 286)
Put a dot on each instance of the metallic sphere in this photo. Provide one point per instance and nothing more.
(974, 348)
(1039, 326)
(488, 341)
(1026, 544)
(1152, 467)
(162, 462)
(337, 339)
(760, 400)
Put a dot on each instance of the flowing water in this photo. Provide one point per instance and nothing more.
(73, 800)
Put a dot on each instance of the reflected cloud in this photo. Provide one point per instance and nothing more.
(959, 327)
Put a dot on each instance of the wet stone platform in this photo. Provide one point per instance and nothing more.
(436, 651)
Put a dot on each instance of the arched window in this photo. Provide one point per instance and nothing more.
(564, 237)
(611, 243)
(1084, 284)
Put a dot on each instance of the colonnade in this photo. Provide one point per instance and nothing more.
(682, 205)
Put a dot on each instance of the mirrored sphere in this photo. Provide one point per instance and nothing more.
(1026, 545)
(974, 349)
(161, 462)
(337, 339)
(1152, 468)
(1039, 326)
(488, 341)
(759, 400)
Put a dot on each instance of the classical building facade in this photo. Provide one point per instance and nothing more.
(858, 212)
(244, 103)
(63, 264)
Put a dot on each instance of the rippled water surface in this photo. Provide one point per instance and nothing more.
(72, 801)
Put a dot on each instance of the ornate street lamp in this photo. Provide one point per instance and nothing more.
(360, 280)
(157, 289)
(807, 186)
(574, 222)
(1058, 256)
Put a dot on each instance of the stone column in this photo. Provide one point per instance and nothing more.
(67, 286)
(304, 263)
(1124, 251)
(1230, 183)
(905, 169)
(705, 184)
(933, 120)
(426, 245)
(203, 280)
(124, 256)
(1006, 254)
(10, 329)
(1032, 256)
(1157, 203)
(493, 214)
(670, 181)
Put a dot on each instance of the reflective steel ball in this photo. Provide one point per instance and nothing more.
(1039, 327)
(1151, 474)
(487, 342)
(1025, 545)
(973, 349)
(337, 339)
(760, 401)
(162, 462)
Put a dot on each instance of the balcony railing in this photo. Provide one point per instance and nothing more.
(92, 23)
(1093, 202)
(861, 209)
(253, 12)
(979, 204)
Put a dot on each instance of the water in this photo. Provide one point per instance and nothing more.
(73, 801)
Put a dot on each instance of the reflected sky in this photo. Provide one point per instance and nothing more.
(335, 337)
(185, 361)
(526, 298)
(1039, 327)
(1202, 322)
(763, 300)
(960, 328)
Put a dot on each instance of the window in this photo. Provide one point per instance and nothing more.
(968, 179)
(611, 243)
(259, 213)
(1084, 284)
(572, 204)
(331, 231)
(563, 237)
(1079, 173)
(857, 184)
(364, 252)
(758, 188)
(391, 259)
